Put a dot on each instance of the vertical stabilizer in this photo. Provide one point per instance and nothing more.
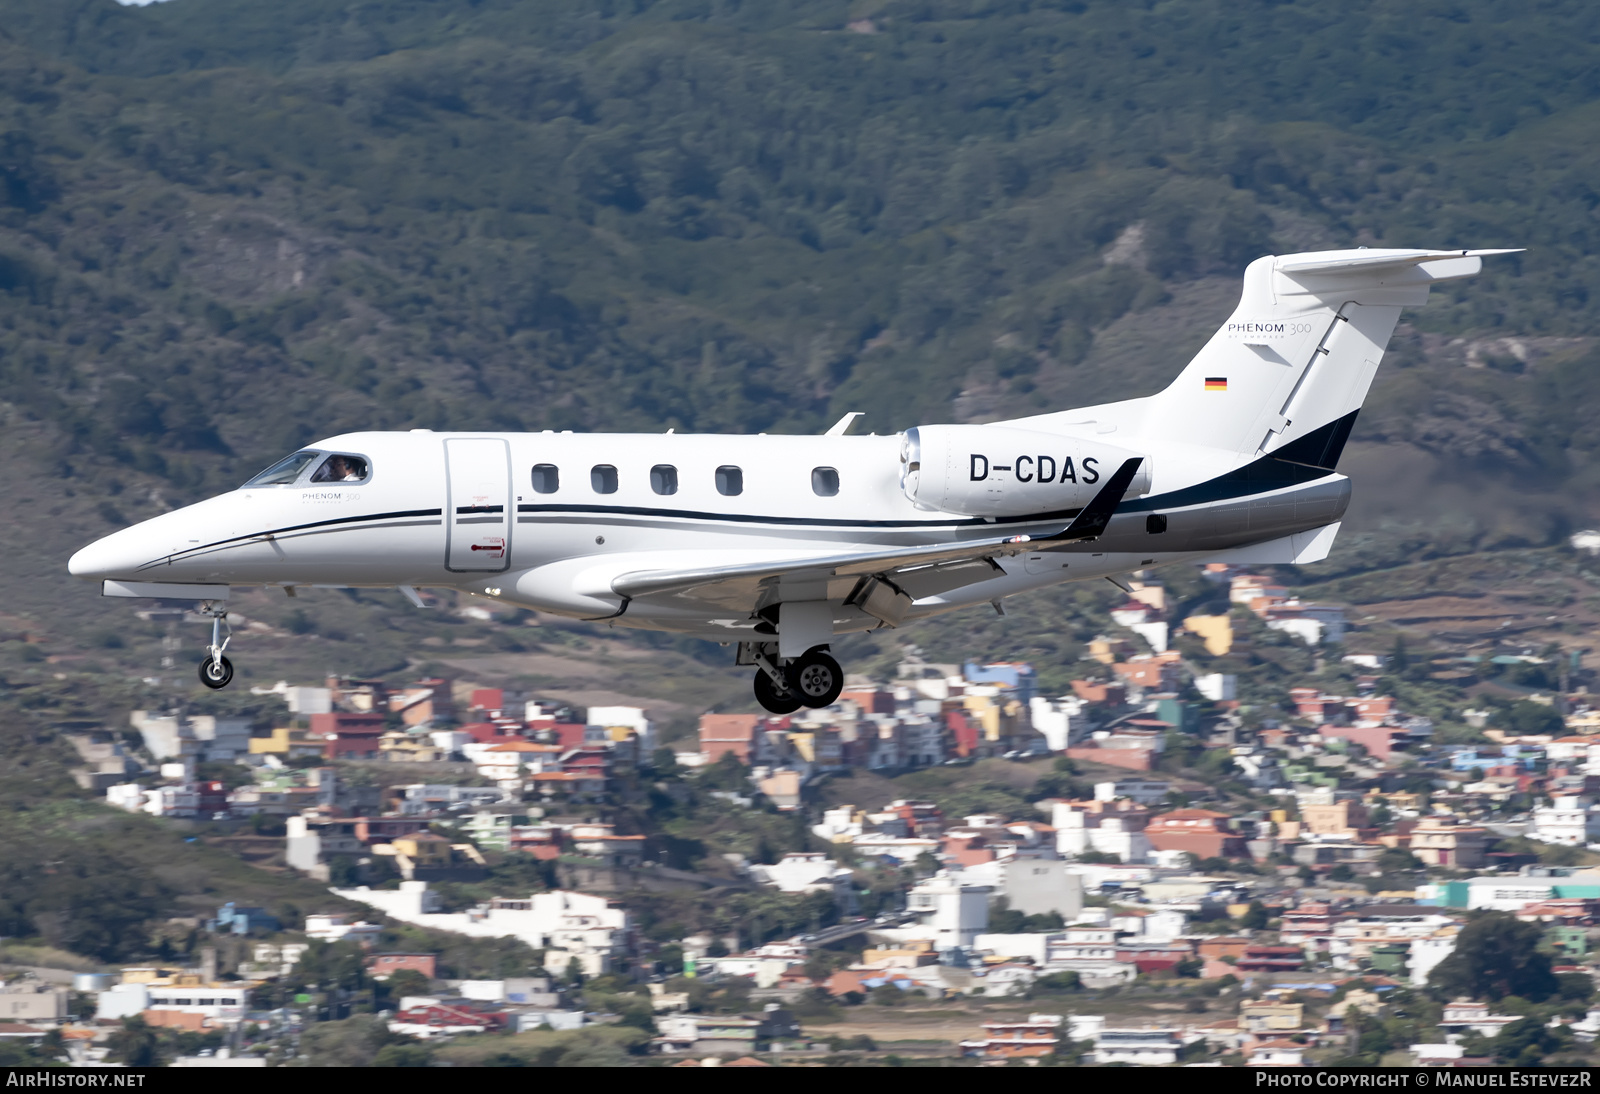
(1289, 369)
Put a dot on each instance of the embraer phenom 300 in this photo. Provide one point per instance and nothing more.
(778, 543)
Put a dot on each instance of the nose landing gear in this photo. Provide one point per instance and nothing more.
(782, 687)
(216, 670)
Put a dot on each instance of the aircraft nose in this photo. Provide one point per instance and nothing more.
(114, 556)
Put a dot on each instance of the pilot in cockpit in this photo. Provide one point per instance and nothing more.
(341, 469)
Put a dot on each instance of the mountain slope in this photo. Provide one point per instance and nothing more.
(227, 228)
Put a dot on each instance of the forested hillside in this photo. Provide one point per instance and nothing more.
(228, 227)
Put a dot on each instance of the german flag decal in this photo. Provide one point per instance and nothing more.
(1216, 383)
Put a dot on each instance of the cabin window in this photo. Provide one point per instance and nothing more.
(824, 481)
(730, 481)
(285, 471)
(341, 468)
(603, 477)
(664, 478)
(546, 478)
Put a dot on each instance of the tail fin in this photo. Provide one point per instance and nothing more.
(1290, 368)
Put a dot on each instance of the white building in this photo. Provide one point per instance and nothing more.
(1155, 925)
(1465, 1014)
(217, 1001)
(32, 1000)
(1143, 791)
(1077, 945)
(841, 824)
(300, 700)
(804, 872)
(1313, 624)
(1261, 768)
(1078, 831)
(129, 796)
(1218, 686)
(1008, 979)
(950, 911)
(633, 718)
(1505, 894)
(1031, 885)
(1153, 631)
(1569, 820)
(1031, 947)
(201, 737)
(903, 849)
(1353, 939)
(528, 990)
(272, 959)
(172, 801)
(309, 847)
(1139, 1047)
(1058, 720)
(570, 926)
(764, 964)
(1428, 952)
(1277, 1054)
(122, 1001)
(334, 927)
(1091, 952)
(427, 797)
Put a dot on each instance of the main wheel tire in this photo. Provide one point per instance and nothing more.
(216, 674)
(770, 698)
(816, 678)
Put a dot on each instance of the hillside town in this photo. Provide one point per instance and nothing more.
(1274, 877)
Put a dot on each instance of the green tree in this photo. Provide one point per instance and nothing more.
(1395, 861)
(1255, 917)
(1527, 717)
(1527, 1041)
(403, 1056)
(887, 995)
(136, 1044)
(1496, 955)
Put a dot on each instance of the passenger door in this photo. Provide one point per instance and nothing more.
(478, 511)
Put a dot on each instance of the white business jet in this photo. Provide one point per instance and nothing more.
(779, 543)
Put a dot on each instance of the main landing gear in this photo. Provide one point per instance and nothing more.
(216, 670)
(814, 679)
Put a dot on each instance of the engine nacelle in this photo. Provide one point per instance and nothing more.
(997, 471)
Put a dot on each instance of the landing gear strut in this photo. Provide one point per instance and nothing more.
(782, 687)
(216, 670)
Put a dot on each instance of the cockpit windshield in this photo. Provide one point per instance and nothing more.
(341, 468)
(285, 471)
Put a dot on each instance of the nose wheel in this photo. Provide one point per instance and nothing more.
(216, 670)
(216, 674)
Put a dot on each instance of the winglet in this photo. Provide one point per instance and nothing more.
(842, 426)
(1091, 521)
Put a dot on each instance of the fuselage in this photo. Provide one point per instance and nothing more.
(547, 520)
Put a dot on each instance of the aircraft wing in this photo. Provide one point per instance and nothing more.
(739, 586)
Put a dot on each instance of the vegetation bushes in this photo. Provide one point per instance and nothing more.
(1496, 955)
